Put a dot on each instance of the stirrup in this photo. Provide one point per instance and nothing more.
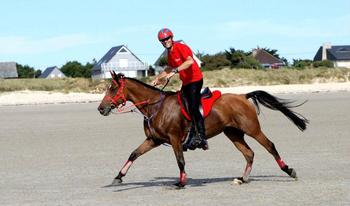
(197, 143)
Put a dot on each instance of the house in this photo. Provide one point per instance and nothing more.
(121, 60)
(8, 70)
(266, 59)
(51, 73)
(339, 55)
(164, 54)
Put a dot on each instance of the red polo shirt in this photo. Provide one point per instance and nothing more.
(178, 55)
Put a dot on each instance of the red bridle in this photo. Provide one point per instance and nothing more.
(120, 95)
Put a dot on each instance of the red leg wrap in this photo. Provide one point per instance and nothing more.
(183, 177)
(280, 163)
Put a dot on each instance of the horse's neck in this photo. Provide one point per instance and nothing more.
(138, 93)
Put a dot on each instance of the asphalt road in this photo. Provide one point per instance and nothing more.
(65, 154)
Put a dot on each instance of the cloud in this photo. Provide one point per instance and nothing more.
(14, 45)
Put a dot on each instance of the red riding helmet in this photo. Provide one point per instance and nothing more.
(164, 33)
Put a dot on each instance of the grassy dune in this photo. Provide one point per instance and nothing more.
(219, 78)
(240, 77)
(56, 85)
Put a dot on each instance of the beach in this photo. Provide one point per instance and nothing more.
(27, 97)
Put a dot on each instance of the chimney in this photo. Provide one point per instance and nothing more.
(254, 52)
(325, 46)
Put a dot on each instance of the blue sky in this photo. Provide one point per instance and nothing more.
(42, 33)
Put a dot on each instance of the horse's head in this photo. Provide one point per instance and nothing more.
(115, 95)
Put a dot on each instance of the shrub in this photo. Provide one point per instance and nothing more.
(324, 63)
(302, 63)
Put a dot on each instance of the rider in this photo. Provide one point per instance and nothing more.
(180, 60)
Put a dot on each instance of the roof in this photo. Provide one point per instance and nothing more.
(109, 55)
(334, 53)
(264, 57)
(48, 71)
(8, 70)
(338, 53)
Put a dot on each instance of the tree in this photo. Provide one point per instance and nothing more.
(324, 63)
(302, 63)
(88, 69)
(76, 69)
(214, 62)
(163, 61)
(37, 73)
(26, 71)
(241, 59)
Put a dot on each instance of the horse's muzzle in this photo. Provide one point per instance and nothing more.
(105, 111)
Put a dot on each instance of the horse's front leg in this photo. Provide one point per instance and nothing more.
(177, 147)
(146, 146)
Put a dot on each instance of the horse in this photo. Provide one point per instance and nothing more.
(232, 114)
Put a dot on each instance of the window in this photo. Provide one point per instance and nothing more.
(123, 50)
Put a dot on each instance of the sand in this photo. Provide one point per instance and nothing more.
(43, 97)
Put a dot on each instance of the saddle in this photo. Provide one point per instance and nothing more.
(207, 101)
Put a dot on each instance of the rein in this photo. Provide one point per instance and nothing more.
(121, 96)
(166, 84)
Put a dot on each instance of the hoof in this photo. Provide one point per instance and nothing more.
(290, 171)
(179, 185)
(238, 181)
(116, 182)
(293, 173)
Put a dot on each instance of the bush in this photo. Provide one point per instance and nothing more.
(302, 63)
(27, 71)
(249, 63)
(324, 63)
(76, 69)
(214, 62)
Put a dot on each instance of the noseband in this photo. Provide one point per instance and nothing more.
(120, 93)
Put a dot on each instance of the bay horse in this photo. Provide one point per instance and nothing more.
(232, 114)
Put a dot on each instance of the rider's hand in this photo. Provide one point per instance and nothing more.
(171, 74)
(155, 82)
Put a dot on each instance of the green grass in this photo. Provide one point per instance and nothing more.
(218, 78)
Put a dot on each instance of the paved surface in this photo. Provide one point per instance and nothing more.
(65, 154)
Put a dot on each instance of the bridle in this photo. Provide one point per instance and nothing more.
(120, 95)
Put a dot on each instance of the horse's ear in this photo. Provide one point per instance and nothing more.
(112, 74)
(116, 77)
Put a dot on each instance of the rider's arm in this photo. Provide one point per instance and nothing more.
(162, 75)
(168, 72)
(187, 64)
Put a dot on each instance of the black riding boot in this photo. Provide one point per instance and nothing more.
(195, 140)
(199, 140)
(189, 141)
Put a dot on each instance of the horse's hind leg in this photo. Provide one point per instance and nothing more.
(146, 146)
(237, 138)
(270, 147)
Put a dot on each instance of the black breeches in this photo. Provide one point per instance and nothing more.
(192, 94)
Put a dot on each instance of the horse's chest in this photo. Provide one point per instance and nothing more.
(151, 132)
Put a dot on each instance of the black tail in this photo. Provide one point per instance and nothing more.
(282, 105)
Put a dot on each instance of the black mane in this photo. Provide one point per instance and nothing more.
(151, 87)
